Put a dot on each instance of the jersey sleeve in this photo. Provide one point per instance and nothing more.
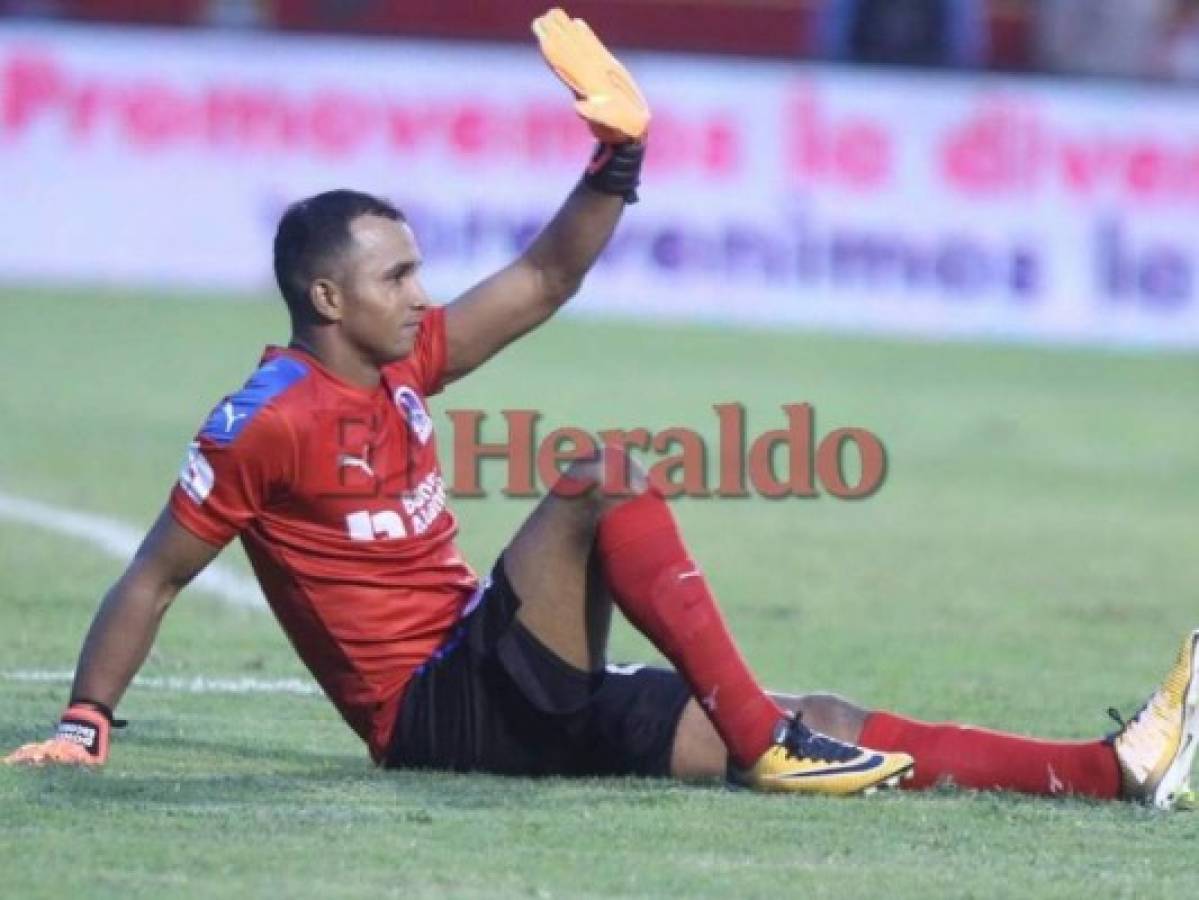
(225, 481)
(427, 361)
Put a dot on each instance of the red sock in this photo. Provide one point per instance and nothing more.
(989, 760)
(660, 590)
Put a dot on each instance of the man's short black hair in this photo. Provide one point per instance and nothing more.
(314, 231)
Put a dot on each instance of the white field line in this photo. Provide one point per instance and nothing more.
(198, 684)
(121, 541)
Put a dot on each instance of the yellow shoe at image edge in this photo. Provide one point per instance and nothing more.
(1156, 747)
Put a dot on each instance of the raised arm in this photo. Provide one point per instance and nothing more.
(521, 296)
(119, 640)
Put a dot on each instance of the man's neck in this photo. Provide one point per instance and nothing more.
(337, 357)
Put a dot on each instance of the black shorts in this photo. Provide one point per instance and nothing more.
(495, 699)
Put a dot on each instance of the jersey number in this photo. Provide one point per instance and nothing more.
(366, 526)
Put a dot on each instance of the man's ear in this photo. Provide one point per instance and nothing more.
(327, 300)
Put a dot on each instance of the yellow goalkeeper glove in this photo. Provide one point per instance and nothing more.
(605, 94)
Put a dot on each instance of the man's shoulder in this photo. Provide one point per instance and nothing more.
(264, 401)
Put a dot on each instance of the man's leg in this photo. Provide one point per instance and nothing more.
(564, 602)
(1148, 760)
(652, 579)
(549, 562)
(967, 757)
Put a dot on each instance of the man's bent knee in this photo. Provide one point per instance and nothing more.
(603, 481)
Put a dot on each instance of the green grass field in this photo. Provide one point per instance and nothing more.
(1030, 561)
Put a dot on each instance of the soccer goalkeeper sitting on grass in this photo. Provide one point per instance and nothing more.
(433, 668)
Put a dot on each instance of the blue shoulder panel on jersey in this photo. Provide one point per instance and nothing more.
(237, 410)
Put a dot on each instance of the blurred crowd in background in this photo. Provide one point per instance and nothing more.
(1118, 38)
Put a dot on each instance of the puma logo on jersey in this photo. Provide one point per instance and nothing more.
(345, 460)
(231, 415)
(229, 418)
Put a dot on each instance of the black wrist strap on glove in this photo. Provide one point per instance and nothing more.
(101, 708)
(616, 169)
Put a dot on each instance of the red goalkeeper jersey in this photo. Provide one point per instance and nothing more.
(339, 500)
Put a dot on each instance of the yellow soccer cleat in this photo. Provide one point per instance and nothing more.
(804, 761)
(1156, 747)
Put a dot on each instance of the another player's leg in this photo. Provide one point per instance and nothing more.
(664, 594)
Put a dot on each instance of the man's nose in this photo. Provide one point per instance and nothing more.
(421, 299)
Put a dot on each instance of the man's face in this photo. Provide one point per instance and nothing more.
(383, 298)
